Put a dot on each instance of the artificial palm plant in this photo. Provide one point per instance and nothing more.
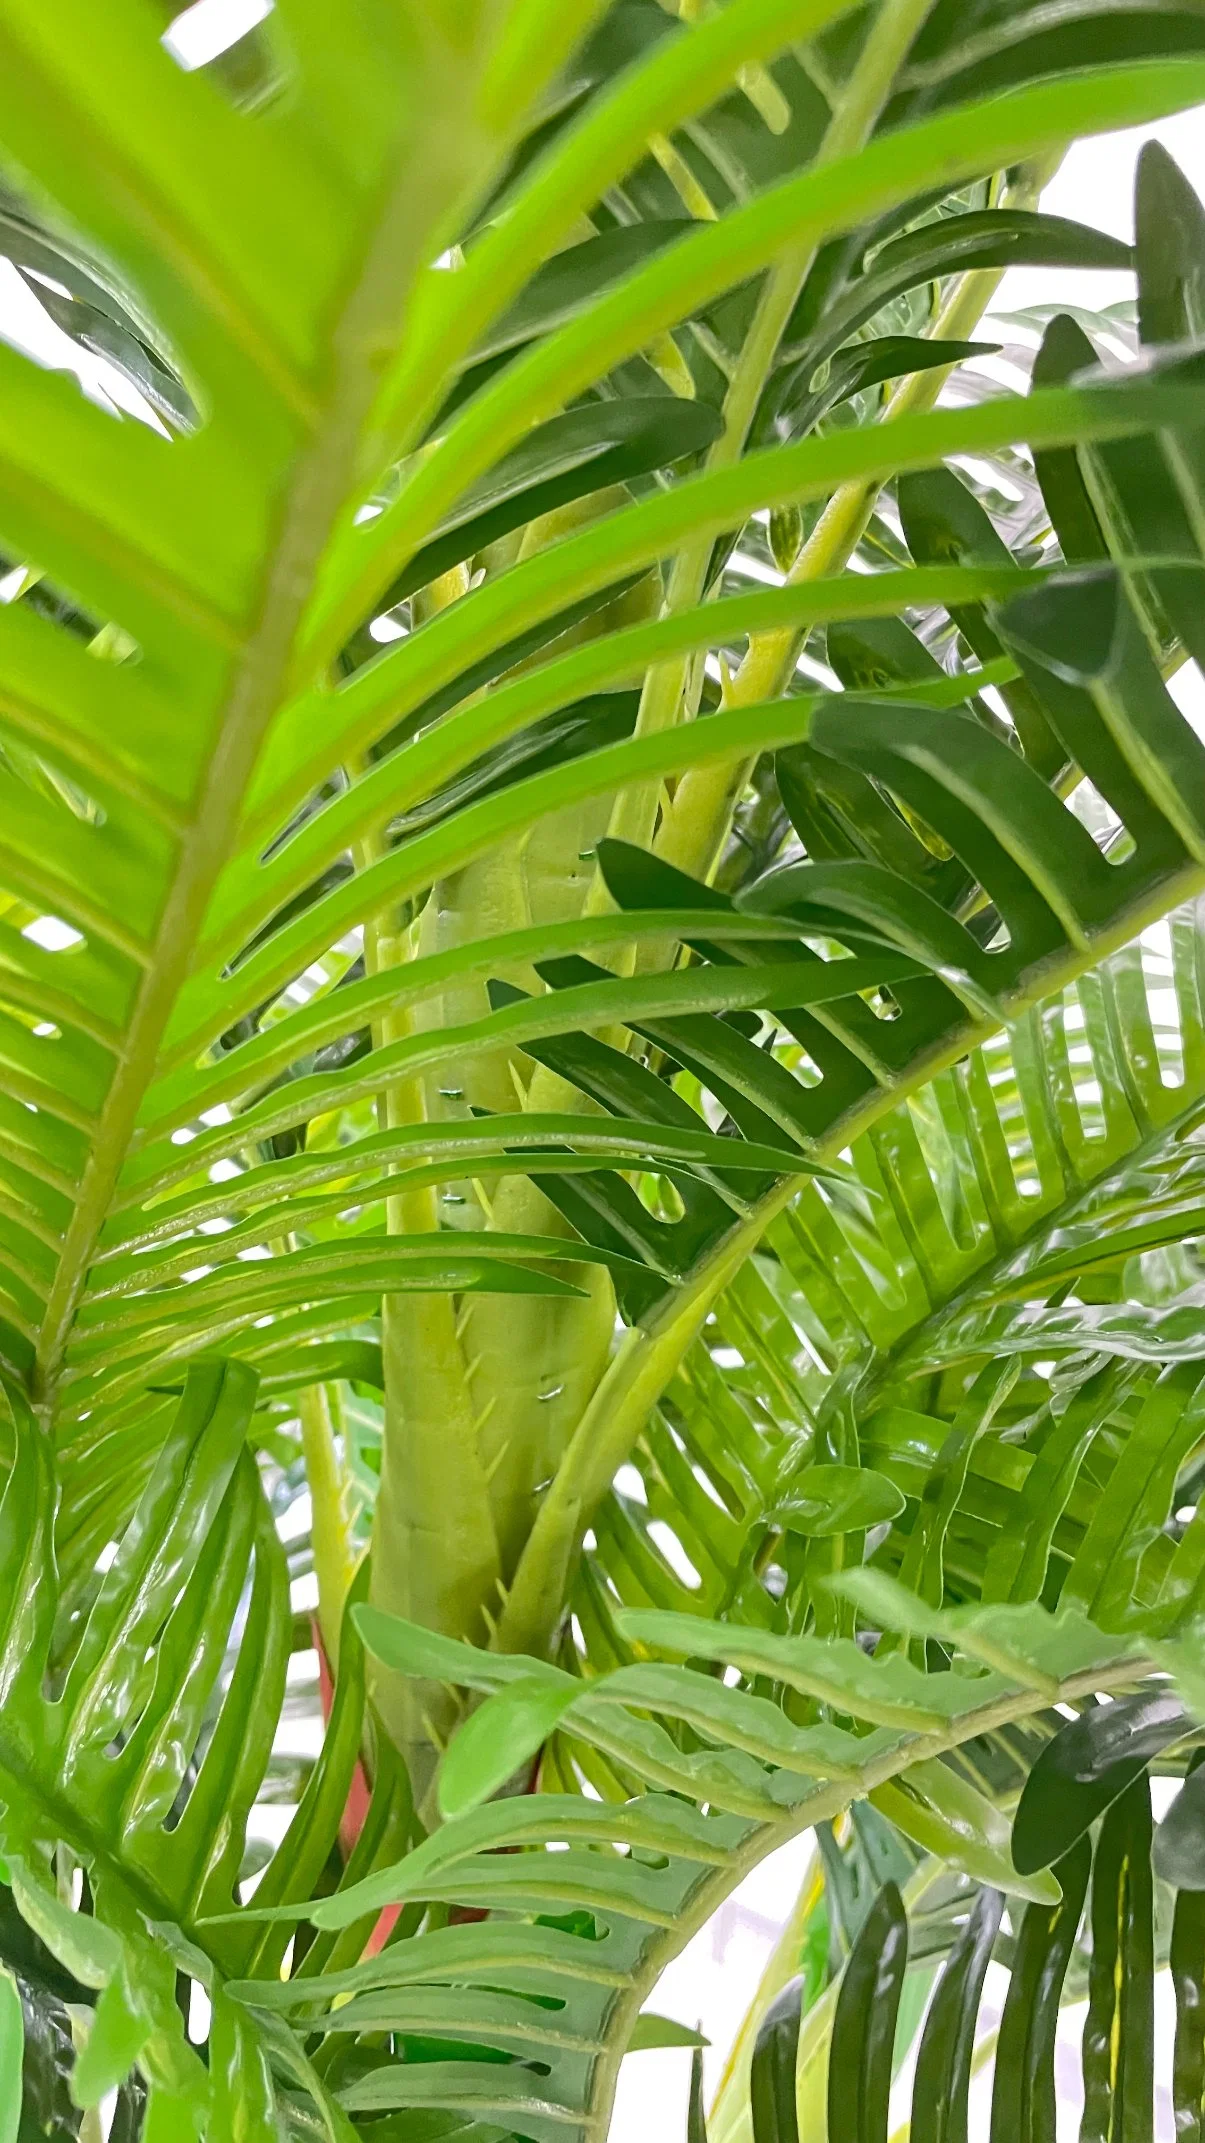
(588, 802)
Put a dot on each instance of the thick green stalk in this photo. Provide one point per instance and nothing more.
(608, 1429)
(642, 1368)
(482, 1392)
(435, 1549)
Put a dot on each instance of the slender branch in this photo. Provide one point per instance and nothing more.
(694, 828)
(670, 689)
(334, 1553)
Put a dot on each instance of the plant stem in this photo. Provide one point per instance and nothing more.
(633, 1383)
(671, 688)
(334, 1555)
(642, 1368)
(695, 825)
(434, 1547)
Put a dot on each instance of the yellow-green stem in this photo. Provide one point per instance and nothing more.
(671, 688)
(434, 1550)
(634, 1381)
(695, 826)
(334, 1553)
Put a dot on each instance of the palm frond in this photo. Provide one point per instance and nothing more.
(395, 672)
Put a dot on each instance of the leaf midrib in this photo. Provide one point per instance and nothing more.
(322, 478)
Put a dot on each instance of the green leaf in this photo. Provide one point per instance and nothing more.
(498, 1738)
(1119, 2030)
(586, 450)
(978, 239)
(487, 324)
(1179, 1847)
(942, 2081)
(696, 2118)
(12, 2048)
(944, 1815)
(1027, 1643)
(837, 1499)
(797, 405)
(1088, 1765)
(1023, 2089)
(772, 2070)
(89, 1950)
(164, 2117)
(859, 2066)
(651, 2031)
(415, 1650)
(243, 2097)
(786, 536)
(1169, 250)
(571, 281)
(1187, 1962)
(116, 2036)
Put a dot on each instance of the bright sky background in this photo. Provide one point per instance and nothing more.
(716, 1976)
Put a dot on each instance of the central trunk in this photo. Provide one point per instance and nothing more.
(483, 1392)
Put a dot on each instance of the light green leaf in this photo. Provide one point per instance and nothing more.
(12, 2047)
(116, 2036)
(837, 1499)
(943, 1814)
(652, 2031)
(499, 1737)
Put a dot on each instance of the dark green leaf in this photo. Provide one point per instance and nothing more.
(944, 523)
(1169, 248)
(1118, 2046)
(45, 2104)
(772, 2072)
(1066, 350)
(1091, 1761)
(982, 238)
(786, 536)
(1179, 1848)
(696, 2118)
(942, 2081)
(586, 450)
(860, 2056)
(1023, 2092)
(1187, 1961)
(802, 396)
(573, 279)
